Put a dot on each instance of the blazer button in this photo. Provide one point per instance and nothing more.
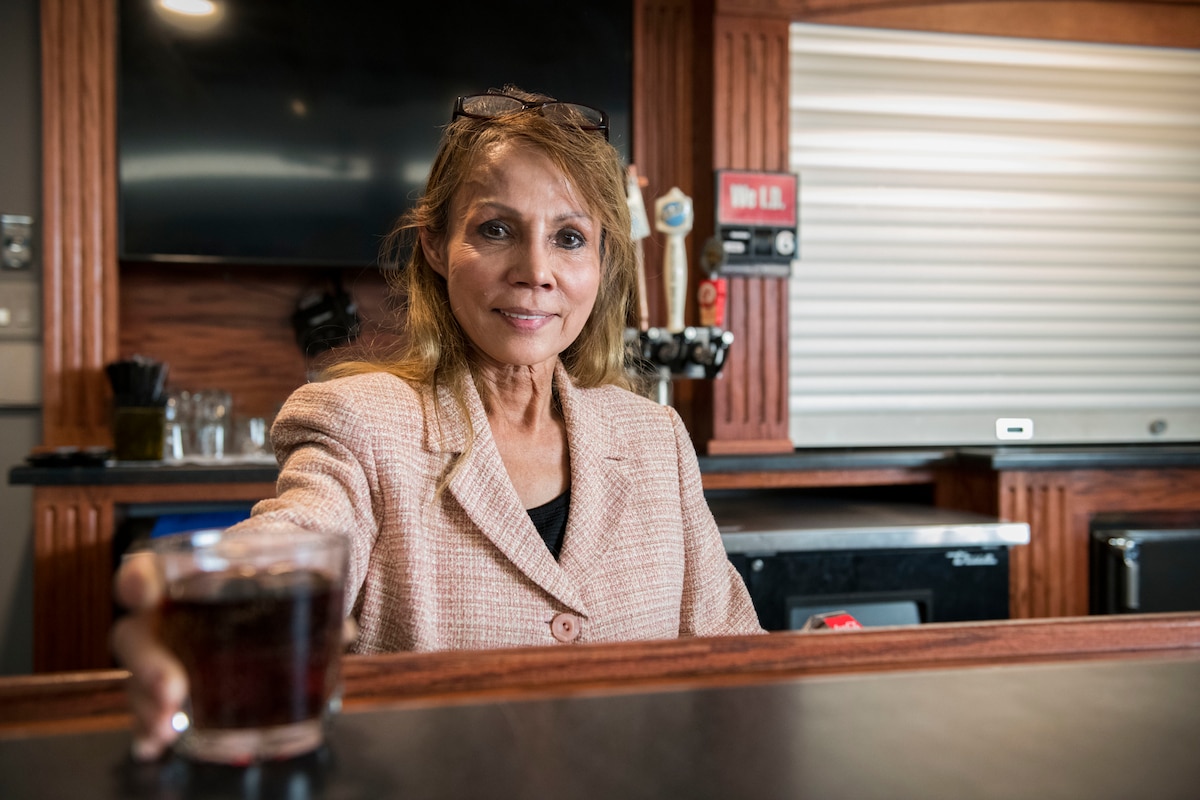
(565, 627)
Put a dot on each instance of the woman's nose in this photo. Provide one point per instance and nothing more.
(533, 266)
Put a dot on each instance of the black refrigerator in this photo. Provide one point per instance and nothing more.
(1145, 562)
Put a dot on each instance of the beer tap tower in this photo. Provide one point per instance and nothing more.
(677, 351)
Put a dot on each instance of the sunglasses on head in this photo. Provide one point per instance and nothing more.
(492, 105)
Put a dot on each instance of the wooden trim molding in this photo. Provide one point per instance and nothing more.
(79, 216)
(79, 701)
(806, 479)
(1159, 23)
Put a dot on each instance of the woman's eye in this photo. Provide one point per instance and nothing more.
(493, 230)
(571, 239)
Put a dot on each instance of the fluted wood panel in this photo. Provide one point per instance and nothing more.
(72, 578)
(79, 218)
(749, 123)
(1045, 576)
(1049, 576)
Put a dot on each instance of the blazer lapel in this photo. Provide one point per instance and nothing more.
(483, 489)
(600, 486)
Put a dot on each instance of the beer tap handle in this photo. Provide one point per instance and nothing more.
(640, 229)
(673, 217)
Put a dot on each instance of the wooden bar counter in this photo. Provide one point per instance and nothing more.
(1091, 707)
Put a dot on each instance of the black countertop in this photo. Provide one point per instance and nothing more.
(1113, 729)
(1068, 457)
(1042, 457)
(150, 472)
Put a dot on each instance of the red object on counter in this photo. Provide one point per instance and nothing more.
(710, 296)
(835, 620)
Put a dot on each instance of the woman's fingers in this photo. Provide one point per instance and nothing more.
(137, 584)
(157, 686)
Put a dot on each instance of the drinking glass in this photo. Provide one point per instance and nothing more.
(255, 615)
(212, 409)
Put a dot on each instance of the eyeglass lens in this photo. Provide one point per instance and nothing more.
(491, 105)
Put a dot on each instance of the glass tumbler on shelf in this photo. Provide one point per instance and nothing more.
(212, 410)
(252, 437)
(177, 426)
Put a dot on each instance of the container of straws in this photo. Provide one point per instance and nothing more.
(139, 403)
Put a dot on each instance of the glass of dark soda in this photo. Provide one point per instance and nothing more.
(255, 615)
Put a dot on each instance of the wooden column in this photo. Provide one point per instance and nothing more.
(79, 218)
(749, 401)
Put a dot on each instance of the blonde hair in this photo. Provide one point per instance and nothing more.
(432, 349)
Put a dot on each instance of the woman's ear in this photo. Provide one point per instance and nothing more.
(433, 253)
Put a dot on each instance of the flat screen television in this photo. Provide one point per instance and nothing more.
(297, 131)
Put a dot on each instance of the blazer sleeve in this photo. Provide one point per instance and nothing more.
(715, 599)
(327, 479)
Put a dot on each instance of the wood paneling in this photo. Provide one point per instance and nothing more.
(1049, 576)
(79, 212)
(230, 327)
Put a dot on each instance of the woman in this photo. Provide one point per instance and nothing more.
(500, 484)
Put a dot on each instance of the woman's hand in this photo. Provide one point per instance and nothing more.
(157, 685)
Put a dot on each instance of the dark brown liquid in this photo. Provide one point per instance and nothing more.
(259, 650)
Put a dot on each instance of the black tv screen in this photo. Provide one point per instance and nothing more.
(297, 131)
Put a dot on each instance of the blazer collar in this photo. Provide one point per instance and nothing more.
(600, 488)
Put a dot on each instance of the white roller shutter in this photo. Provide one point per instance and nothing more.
(993, 229)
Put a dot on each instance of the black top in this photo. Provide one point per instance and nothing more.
(551, 521)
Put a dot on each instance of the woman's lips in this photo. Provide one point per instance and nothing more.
(524, 313)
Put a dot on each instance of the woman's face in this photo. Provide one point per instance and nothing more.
(521, 259)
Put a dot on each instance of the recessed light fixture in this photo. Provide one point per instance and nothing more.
(191, 16)
(190, 8)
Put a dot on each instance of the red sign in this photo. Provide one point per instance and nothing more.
(757, 199)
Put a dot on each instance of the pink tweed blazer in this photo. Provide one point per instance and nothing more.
(641, 559)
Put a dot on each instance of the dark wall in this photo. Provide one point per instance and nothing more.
(20, 426)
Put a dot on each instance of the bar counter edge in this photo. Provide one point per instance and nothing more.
(58, 702)
(1040, 457)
